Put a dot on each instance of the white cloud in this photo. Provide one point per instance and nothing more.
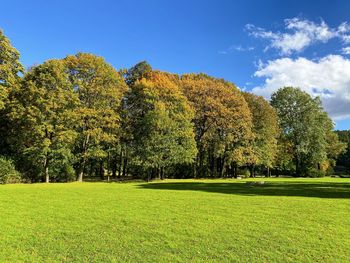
(300, 34)
(346, 50)
(236, 48)
(346, 39)
(328, 77)
(242, 49)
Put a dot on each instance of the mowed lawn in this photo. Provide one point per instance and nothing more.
(284, 220)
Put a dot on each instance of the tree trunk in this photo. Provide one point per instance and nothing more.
(81, 174)
(85, 147)
(82, 168)
(235, 170)
(113, 163)
(158, 172)
(162, 173)
(120, 163)
(114, 169)
(101, 171)
(200, 170)
(46, 168)
(213, 166)
(222, 166)
(47, 178)
(252, 170)
(125, 164)
(297, 166)
(195, 168)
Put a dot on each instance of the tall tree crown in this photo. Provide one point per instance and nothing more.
(10, 67)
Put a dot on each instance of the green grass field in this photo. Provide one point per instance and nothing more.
(284, 220)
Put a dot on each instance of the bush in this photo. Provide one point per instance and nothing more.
(314, 173)
(245, 173)
(330, 171)
(8, 172)
(62, 172)
(61, 169)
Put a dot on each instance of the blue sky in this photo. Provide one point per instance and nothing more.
(251, 43)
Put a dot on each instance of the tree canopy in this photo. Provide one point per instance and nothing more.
(100, 89)
(77, 116)
(223, 123)
(45, 108)
(306, 127)
(161, 122)
(266, 131)
(10, 68)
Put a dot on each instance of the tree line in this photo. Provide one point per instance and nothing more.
(77, 117)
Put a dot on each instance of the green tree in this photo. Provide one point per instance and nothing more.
(121, 155)
(45, 109)
(100, 89)
(10, 78)
(10, 68)
(306, 126)
(137, 72)
(265, 129)
(343, 160)
(160, 116)
(335, 146)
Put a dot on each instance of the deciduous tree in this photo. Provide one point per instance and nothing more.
(306, 126)
(161, 124)
(45, 109)
(265, 129)
(100, 89)
(10, 68)
(223, 124)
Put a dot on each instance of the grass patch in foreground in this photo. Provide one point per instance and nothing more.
(284, 220)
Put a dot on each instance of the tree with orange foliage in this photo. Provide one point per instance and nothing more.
(223, 125)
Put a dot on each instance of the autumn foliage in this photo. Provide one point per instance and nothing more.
(77, 117)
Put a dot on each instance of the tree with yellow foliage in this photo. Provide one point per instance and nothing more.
(161, 126)
(100, 89)
(223, 124)
(266, 132)
(10, 68)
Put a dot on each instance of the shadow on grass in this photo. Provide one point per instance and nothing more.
(320, 189)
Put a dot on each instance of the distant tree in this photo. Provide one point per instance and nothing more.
(100, 89)
(265, 129)
(306, 126)
(343, 159)
(161, 125)
(335, 147)
(223, 124)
